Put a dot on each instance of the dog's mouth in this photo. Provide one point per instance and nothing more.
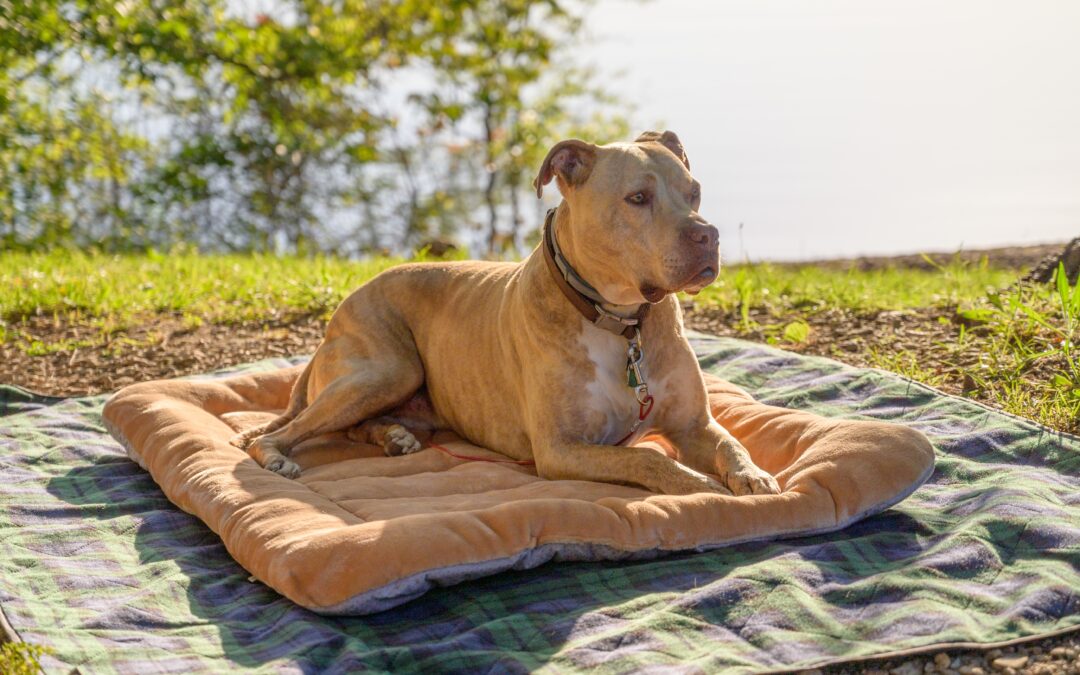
(692, 285)
(705, 276)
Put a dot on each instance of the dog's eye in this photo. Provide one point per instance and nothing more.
(638, 199)
(695, 194)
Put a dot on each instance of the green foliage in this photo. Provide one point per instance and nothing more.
(501, 99)
(797, 331)
(21, 658)
(65, 172)
(143, 123)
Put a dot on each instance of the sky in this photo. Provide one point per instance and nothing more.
(828, 128)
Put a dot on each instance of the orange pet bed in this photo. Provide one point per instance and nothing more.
(359, 532)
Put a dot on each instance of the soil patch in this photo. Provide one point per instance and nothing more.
(160, 347)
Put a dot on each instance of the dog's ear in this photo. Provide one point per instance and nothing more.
(571, 160)
(669, 140)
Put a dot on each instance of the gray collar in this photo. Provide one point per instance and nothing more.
(593, 308)
(571, 275)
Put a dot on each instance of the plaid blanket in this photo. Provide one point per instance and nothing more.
(97, 565)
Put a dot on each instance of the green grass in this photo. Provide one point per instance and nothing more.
(1016, 349)
(780, 288)
(84, 287)
(1028, 361)
(227, 288)
(907, 364)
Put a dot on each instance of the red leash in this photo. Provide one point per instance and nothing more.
(645, 407)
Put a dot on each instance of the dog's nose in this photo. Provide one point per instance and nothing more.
(702, 234)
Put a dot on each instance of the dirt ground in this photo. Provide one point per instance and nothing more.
(164, 347)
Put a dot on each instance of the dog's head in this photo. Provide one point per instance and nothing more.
(633, 230)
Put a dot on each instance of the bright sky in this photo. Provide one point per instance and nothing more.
(839, 127)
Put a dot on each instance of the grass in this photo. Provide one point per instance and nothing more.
(83, 287)
(781, 288)
(116, 289)
(908, 364)
(1015, 349)
(1028, 361)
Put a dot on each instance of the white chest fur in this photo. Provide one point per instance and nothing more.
(607, 395)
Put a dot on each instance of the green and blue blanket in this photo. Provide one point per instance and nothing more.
(97, 565)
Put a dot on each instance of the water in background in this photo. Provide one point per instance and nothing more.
(841, 127)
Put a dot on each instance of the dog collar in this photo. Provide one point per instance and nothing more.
(585, 298)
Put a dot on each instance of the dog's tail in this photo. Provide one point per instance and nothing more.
(297, 402)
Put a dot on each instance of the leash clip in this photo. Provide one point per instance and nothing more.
(641, 393)
(634, 379)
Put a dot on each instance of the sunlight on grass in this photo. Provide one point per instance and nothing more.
(218, 288)
(1028, 360)
(781, 287)
(907, 364)
(224, 288)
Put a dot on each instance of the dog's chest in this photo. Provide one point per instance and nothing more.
(610, 401)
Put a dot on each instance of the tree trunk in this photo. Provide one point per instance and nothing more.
(489, 189)
(515, 211)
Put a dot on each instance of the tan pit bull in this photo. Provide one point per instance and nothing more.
(554, 359)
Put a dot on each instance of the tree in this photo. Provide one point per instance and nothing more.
(146, 122)
(505, 93)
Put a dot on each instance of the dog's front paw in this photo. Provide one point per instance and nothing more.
(750, 480)
(399, 441)
(283, 466)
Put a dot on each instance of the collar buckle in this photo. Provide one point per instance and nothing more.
(613, 322)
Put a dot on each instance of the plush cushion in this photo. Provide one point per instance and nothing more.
(359, 532)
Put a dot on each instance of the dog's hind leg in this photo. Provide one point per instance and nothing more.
(403, 430)
(389, 433)
(367, 387)
(297, 401)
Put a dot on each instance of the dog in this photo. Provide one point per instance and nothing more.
(564, 359)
